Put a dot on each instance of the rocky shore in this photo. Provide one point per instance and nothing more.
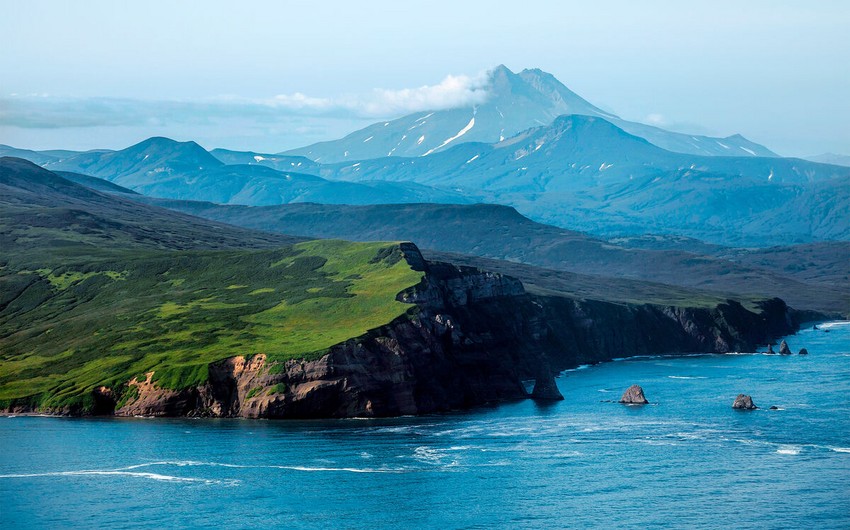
(471, 338)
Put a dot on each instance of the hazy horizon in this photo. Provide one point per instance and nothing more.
(271, 76)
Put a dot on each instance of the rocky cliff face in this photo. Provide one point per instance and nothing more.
(471, 338)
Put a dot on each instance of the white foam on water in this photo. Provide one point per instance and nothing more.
(835, 324)
(840, 449)
(429, 455)
(567, 454)
(687, 377)
(122, 473)
(342, 469)
(577, 368)
(789, 450)
(180, 463)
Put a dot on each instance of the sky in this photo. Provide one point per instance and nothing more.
(270, 76)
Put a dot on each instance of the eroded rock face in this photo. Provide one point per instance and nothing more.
(546, 389)
(474, 337)
(634, 396)
(744, 402)
(784, 349)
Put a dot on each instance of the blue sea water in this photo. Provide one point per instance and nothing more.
(686, 460)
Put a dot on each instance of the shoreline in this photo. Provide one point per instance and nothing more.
(825, 324)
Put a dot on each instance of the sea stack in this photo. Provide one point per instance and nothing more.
(784, 349)
(803, 351)
(634, 396)
(770, 350)
(545, 389)
(744, 402)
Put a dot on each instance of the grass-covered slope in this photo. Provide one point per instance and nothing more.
(77, 313)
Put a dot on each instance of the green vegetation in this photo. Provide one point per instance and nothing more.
(70, 322)
(279, 388)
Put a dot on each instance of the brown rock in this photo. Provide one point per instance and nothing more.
(744, 402)
(784, 349)
(634, 396)
(770, 349)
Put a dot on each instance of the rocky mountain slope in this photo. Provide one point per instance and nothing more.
(516, 102)
(584, 173)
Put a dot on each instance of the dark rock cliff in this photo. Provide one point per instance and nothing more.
(472, 337)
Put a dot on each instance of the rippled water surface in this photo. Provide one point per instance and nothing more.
(687, 459)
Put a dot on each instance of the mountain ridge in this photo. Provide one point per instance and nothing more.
(516, 102)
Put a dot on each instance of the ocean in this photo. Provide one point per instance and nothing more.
(685, 460)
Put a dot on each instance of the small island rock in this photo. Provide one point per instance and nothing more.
(770, 349)
(803, 351)
(634, 396)
(744, 402)
(545, 389)
(784, 349)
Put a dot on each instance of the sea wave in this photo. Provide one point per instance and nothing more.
(343, 469)
(577, 368)
(122, 473)
(182, 463)
(834, 324)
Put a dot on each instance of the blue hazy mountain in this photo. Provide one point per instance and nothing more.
(580, 172)
(517, 102)
(585, 173)
(830, 158)
(280, 162)
(161, 167)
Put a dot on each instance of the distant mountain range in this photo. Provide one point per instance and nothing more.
(585, 173)
(534, 145)
(531, 98)
(830, 158)
(161, 167)
(581, 172)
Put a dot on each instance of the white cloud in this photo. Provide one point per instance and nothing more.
(451, 92)
(43, 111)
(656, 119)
(299, 101)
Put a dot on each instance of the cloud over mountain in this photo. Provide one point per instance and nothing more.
(50, 112)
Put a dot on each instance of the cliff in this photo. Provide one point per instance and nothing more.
(472, 337)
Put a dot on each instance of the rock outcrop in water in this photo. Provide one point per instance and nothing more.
(770, 350)
(634, 396)
(471, 338)
(546, 389)
(744, 402)
(784, 349)
(803, 351)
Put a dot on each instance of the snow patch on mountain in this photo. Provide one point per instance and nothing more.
(460, 133)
